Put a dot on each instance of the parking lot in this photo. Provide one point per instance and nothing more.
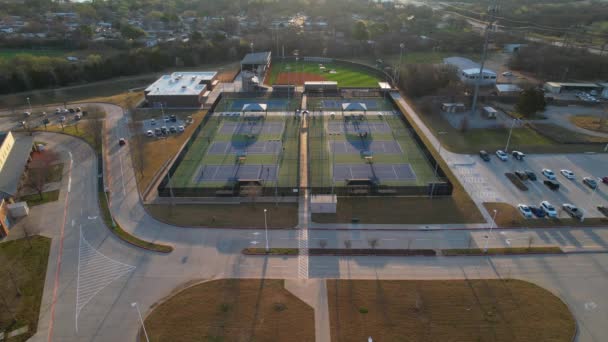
(163, 126)
(486, 181)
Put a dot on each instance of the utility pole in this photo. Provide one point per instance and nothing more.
(492, 15)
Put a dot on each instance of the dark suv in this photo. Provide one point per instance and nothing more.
(484, 155)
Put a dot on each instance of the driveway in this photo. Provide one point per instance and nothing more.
(560, 116)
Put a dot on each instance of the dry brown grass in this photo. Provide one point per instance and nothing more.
(592, 123)
(125, 100)
(232, 310)
(226, 215)
(446, 310)
(156, 151)
(508, 216)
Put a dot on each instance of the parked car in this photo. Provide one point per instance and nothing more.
(605, 180)
(122, 142)
(549, 173)
(552, 184)
(150, 133)
(521, 174)
(525, 210)
(46, 121)
(531, 175)
(484, 155)
(518, 155)
(507, 73)
(172, 129)
(502, 155)
(153, 122)
(164, 130)
(180, 128)
(567, 173)
(71, 110)
(548, 208)
(590, 182)
(57, 110)
(77, 117)
(78, 109)
(573, 211)
(167, 119)
(157, 131)
(538, 212)
(173, 118)
(62, 119)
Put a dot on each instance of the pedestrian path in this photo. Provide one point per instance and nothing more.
(95, 272)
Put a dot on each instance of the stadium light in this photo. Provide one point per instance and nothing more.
(485, 248)
(134, 305)
(266, 230)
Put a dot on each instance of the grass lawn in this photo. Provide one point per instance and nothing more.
(346, 75)
(232, 310)
(284, 215)
(34, 199)
(403, 210)
(508, 216)
(55, 173)
(537, 138)
(28, 268)
(446, 310)
(590, 122)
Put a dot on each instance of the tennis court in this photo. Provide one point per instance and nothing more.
(379, 172)
(227, 173)
(362, 145)
(241, 147)
(252, 127)
(335, 103)
(357, 127)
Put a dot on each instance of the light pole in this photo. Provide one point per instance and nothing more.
(266, 230)
(29, 104)
(437, 164)
(515, 120)
(134, 305)
(492, 12)
(251, 46)
(485, 248)
(398, 70)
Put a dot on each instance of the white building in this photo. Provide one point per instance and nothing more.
(468, 71)
(181, 89)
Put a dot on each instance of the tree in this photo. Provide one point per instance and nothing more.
(131, 32)
(360, 31)
(530, 101)
(373, 243)
(40, 170)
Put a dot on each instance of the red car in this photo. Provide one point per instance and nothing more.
(605, 180)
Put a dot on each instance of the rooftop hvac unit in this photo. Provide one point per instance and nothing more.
(183, 87)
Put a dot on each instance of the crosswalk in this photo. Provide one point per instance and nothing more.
(95, 272)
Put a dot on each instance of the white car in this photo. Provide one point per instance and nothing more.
(180, 128)
(502, 155)
(567, 173)
(62, 119)
(507, 73)
(548, 208)
(153, 122)
(525, 210)
(150, 133)
(549, 174)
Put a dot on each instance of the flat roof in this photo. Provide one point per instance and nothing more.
(315, 83)
(15, 164)
(508, 87)
(572, 84)
(461, 62)
(475, 71)
(384, 85)
(256, 58)
(181, 83)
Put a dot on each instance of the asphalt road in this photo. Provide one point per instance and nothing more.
(91, 270)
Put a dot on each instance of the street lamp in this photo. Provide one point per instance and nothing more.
(29, 104)
(485, 248)
(266, 230)
(515, 120)
(134, 305)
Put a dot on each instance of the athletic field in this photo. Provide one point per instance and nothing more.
(377, 147)
(283, 72)
(237, 147)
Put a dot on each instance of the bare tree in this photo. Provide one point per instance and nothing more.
(373, 242)
(322, 243)
(40, 170)
(348, 244)
(96, 129)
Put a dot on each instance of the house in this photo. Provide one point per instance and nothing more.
(469, 71)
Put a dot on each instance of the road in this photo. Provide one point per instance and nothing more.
(94, 274)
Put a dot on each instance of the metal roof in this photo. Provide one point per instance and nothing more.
(15, 163)
(181, 83)
(256, 58)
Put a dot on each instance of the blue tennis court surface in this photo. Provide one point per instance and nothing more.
(380, 172)
(236, 105)
(357, 127)
(258, 147)
(371, 104)
(357, 146)
(222, 173)
(252, 127)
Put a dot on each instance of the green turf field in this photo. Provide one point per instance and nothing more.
(322, 159)
(186, 173)
(346, 75)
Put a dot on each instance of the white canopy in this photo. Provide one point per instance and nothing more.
(356, 106)
(255, 107)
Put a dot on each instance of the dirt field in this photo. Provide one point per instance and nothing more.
(232, 310)
(297, 78)
(458, 310)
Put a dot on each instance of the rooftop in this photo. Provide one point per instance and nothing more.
(475, 71)
(506, 88)
(571, 84)
(181, 83)
(461, 63)
(15, 164)
(3, 136)
(256, 58)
